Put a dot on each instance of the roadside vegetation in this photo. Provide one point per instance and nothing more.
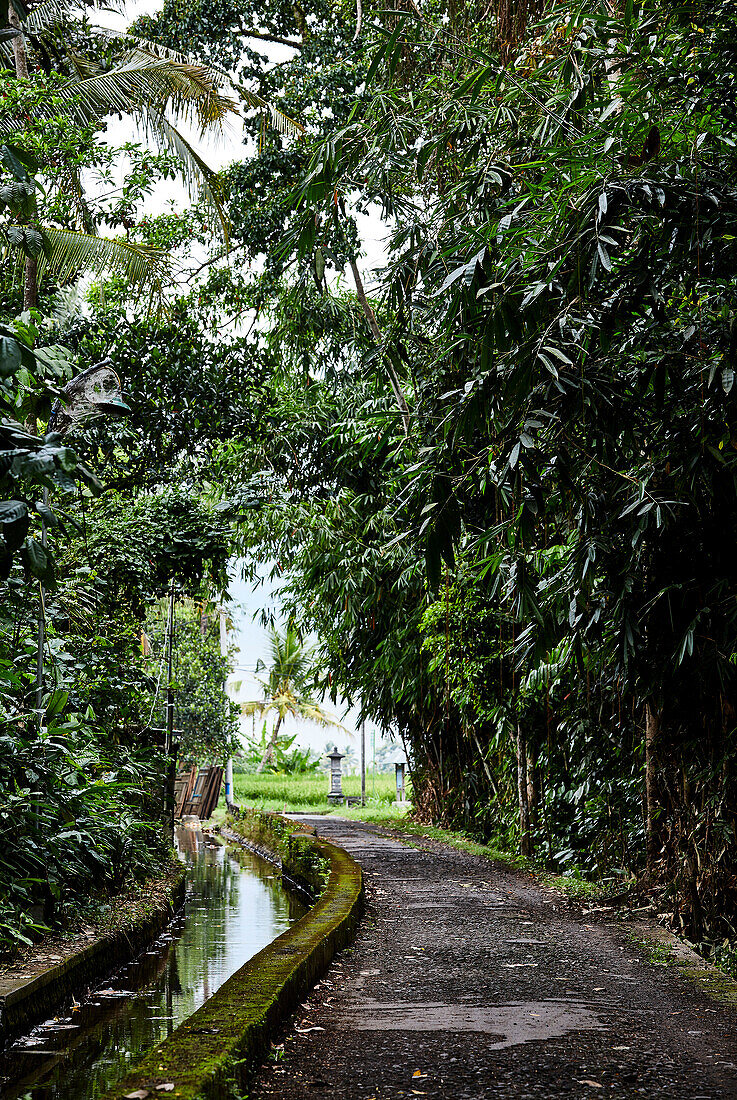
(88, 556)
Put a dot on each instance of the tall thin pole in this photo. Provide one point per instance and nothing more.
(373, 768)
(41, 636)
(363, 763)
(170, 672)
(229, 761)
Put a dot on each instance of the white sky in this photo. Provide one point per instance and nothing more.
(253, 644)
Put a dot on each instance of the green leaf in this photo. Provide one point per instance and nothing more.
(10, 356)
(17, 162)
(12, 510)
(36, 558)
(56, 703)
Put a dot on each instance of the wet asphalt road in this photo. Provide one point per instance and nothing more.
(467, 980)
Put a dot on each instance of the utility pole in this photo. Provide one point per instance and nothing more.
(171, 762)
(363, 763)
(170, 672)
(40, 640)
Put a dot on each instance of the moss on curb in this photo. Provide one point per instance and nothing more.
(214, 1052)
(663, 948)
(25, 1001)
(286, 842)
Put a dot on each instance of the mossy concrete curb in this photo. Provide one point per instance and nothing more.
(214, 1052)
(666, 949)
(26, 1001)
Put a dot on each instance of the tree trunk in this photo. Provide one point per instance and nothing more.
(525, 832)
(268, 756)
(30, 279)
(19, 44)
(652, 729)
(532, 800)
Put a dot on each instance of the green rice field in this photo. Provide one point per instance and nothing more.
(308, 793)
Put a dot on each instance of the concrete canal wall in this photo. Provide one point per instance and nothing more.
(26, 1001)
(214, 1052)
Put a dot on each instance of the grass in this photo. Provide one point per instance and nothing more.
(308, 793)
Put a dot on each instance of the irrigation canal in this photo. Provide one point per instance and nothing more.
(235, 906)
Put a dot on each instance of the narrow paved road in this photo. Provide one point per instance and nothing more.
(469, 981)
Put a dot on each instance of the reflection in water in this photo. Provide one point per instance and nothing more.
(235, 906)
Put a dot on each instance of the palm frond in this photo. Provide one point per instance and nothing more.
(140, 81)
(157, 50)
(70, 253)
(49, 13)
(193, 88)
(283, 123)
(311, 712)
(199, 179)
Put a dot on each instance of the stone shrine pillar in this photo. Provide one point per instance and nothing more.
(335, 788)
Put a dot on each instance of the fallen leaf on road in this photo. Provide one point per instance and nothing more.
(593, 1084)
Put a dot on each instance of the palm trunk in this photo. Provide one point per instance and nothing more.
(30, 278)
(268, 756)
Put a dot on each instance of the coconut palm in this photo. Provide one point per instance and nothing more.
(286, 690)
(158, 87)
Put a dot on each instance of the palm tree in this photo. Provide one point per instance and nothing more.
(286, 690)
(159, 88)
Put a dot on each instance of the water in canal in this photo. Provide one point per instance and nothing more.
(235, 906)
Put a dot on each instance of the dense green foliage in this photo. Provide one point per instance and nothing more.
(205, 719)
(82, 789)
(501, 490)
(534, 582)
